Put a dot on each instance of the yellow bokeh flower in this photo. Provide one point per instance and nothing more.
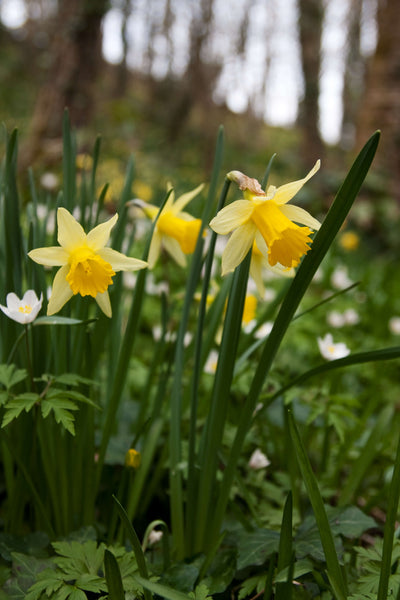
(349, 240)
(176, 231)
(133, 458)
(267, 219)
(87, 266)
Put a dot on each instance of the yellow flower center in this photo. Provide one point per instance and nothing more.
(27, 309)
(185, 232)
(89, 274)
(286, 241)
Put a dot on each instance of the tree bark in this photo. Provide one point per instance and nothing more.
(75, 60)
(310, 27)
(381, 103)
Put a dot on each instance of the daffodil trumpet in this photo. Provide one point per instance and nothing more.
(264, 217)
(175, 230)
(87, 266)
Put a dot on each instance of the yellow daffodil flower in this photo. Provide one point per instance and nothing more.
(257, 265)
(267, 219)
(87, 266)
(177, 231)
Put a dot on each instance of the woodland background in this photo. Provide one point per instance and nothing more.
(170, 115)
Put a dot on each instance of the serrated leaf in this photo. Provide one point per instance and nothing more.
(61, 408)
(251, 584)
(15, 406)
(256, 547)
(10, 375)
(201, 592)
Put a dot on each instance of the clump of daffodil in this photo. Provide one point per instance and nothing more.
(87, 266)
(176, 230)
(267, 219)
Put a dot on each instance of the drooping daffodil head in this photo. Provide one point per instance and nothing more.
(265, 217)
(175, 230)
(23, 311)
(87, 266)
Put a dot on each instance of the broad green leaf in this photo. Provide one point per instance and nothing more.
(255, 547)
(181, 577)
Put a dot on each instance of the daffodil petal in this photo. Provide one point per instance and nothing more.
(99, 236)
(183, 200)
(155, 249)
(54, 256)
(171, 198)
(103, 300)
(238, 246)
(61, 291)
(173, 248)
(70, 232)
(299, 215)
(232, 216)
(285, 192)
(256, 269)
(119, 261)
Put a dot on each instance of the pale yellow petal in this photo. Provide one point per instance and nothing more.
(183, 200)
(170, 200)
(232, 216)
(256, 272)
(70, 232)
(155, 249)
(99, 236)
(286, 192)
(238, 246)
(299, 215)
(173, 248)
(121, 262)
(61, 292)
(54, 256)
(103, 300)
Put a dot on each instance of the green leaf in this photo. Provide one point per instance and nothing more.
(335, 575)
(15, 406)
(255, 547)
(10, 375)
(61, 408)
(221, 571)
(61, 321)
(161, 590)
(113, 577)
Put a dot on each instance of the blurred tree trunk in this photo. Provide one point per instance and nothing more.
(199, 79)
(311, 14)
(75, 55)
(121, 82)
(354, 76)
(381, 104)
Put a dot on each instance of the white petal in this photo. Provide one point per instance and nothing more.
(284, 193)
(99, 236)
(238, 246)
(232, 216)
(299, 215)
(31, 298)
(121, 262)
(13, 301)
(61, 291)
(54, 256)
(103, 300)
(70, 232)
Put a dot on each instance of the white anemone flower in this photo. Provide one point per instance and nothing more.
(330, 350)
(25, 310)
(258, 460)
